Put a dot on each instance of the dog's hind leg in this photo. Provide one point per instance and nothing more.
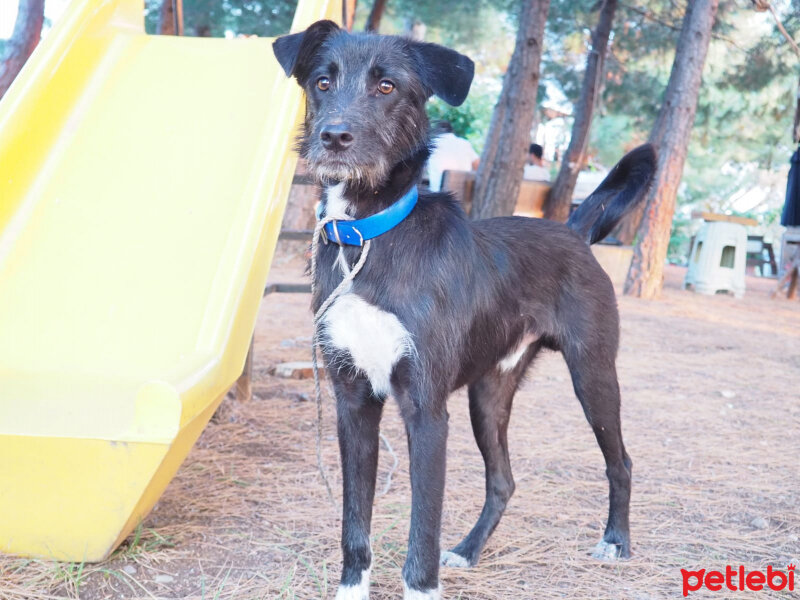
(358, 421)
(594, 378)
(490, 400)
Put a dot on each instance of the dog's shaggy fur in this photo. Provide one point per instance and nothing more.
(443, 301)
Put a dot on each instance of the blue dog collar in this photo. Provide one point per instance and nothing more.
(355, 233)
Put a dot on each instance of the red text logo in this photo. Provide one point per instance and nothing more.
(737, 579)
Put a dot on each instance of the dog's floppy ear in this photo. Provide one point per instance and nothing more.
(294, 52)
(445, 72)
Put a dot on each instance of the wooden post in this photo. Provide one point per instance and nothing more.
(244, 385)
(177, 15)
(792, 292)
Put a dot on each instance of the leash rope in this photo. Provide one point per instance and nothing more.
(341, 288)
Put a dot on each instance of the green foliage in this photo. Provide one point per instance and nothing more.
(744, 112)
(471, 120)
(567, 36)
(483, 29)
(745, 108)
(611, 135)
(215, 18)
(680, 239)
(451, 22)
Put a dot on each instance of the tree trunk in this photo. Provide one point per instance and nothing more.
(349, 13)
(670, 136)
(559, 198)
(27, 33)
(166, 18)
(374, 18)
(500, 171)
(626, 230)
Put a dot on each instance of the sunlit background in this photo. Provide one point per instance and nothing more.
(741, 142)
(8, 15)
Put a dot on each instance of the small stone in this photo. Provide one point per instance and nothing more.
(129, 569)
(164, 579)
(759, 523)
(297, 370)
(727, 394)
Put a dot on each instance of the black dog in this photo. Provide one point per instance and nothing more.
(443, 301)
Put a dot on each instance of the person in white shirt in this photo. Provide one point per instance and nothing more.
(535, 169)
(450, 153)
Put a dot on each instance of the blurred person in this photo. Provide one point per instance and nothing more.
(535, 169)
(450, 153)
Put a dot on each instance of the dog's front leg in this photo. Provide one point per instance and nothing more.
(358, 421)
(426, 427)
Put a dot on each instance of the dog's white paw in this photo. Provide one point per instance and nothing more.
(412, 594)
(451, 559)
(355, 592)
(605, 551)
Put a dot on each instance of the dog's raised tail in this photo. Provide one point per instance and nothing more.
(622, 189)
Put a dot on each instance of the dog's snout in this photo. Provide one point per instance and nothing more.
(336, 137)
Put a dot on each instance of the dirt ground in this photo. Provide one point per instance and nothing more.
(711, 418)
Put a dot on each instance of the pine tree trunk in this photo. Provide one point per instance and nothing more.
(27, 33)
(375, 15)
(349, 13)
(166, 18)
(500, 171)
(670, 137)
(560, 196)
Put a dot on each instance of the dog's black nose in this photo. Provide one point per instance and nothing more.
(336, 137)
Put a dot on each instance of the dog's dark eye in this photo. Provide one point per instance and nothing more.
(323, 83)
(386, 86)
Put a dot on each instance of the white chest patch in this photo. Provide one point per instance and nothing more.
(336, 205)
(375, 339)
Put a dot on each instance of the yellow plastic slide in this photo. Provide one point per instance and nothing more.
(142, 185)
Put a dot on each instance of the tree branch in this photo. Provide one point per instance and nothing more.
(650, 16)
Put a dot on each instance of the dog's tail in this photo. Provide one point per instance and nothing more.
(622, 189)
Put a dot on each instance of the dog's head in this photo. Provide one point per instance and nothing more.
(366, 94)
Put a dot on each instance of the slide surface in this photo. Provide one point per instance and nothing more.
(142, 186)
